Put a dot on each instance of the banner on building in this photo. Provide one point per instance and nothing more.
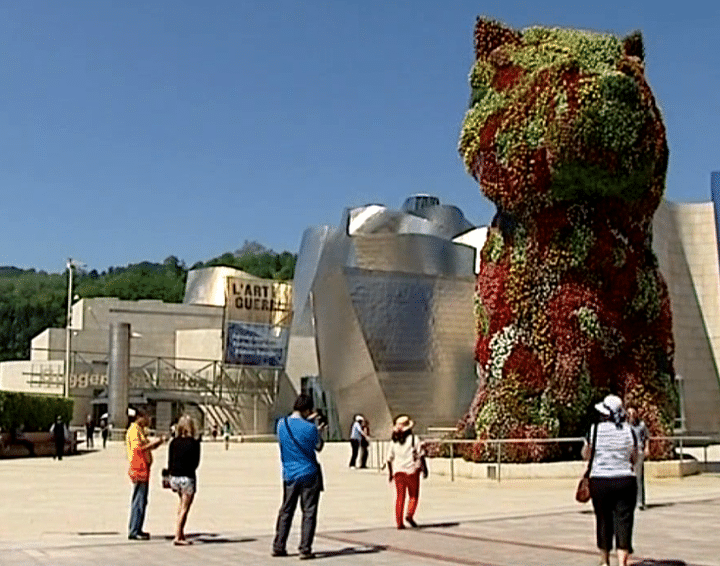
(259, 301)
(258, 315)
(260, 345)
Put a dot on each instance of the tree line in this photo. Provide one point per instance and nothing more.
(31, 301)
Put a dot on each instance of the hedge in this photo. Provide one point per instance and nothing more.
(33, 412)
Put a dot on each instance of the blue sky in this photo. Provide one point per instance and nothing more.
(137, 130)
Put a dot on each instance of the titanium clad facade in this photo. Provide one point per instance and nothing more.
(390, 307)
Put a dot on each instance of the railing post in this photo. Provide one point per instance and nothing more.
(499, 451)
(680, 467)
(452, 460)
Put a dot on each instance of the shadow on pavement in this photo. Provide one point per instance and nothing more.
(213, 538)
(439, 525)
(649, 562)
(350, 551)
(710, 467)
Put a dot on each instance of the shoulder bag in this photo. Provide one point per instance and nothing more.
(582, 493)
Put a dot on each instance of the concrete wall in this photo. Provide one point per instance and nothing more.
(45, 377)
(685, 243)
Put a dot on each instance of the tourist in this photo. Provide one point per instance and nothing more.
(405, 462)
(358, 442)
(139, 453)
(642, 436)
(104, 431)
(365, 443)
(299, 438)
(183, 460)
(227, 431)
(89, 432)
(613, 486)
(60, 433)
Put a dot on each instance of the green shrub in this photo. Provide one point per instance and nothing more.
(33, 412)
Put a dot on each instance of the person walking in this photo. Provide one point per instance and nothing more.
(139, 453)
(60, 433)
(183, 460)
(299, 439)
(405, 462)
(613, 485)
(358, 442)
(642, 435)
(89, 432)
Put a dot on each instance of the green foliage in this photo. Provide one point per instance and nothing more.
(268, 264)
(29, 303)
(32, 301)
(548, 47)
(33, 412)
(584, 182)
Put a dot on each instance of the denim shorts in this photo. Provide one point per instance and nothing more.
(183, 485)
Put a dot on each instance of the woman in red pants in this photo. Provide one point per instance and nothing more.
(405, 462)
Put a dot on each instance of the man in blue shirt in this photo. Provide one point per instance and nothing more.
(299, 438)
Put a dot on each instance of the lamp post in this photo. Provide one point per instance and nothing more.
(71, 264)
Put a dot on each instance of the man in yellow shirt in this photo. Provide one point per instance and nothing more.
(140, 457)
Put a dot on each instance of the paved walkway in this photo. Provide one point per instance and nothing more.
(74, 513)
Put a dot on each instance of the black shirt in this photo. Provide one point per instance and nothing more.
(184, 456)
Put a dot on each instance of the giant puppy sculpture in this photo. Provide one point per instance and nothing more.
(564, 136)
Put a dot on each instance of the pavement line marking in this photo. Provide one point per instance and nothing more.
(412, 552)
(571, 549)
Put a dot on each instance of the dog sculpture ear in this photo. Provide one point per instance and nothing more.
(633, 46)
(490, 34)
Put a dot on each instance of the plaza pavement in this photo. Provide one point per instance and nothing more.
(74, 513)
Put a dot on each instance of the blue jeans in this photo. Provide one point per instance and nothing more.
(137, 507)
(308, 492)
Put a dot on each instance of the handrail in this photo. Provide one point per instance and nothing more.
(679, 439)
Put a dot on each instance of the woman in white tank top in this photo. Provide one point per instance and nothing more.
(613, 487)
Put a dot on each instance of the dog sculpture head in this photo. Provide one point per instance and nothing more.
(562, 116)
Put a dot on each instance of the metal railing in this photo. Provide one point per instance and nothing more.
(679, 444)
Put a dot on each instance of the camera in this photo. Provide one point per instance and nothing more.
(319, 418)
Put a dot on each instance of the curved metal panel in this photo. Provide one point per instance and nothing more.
(206, 286)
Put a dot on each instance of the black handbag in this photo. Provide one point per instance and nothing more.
(165, 478)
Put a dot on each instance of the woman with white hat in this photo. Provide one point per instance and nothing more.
(613, 486)
(405, 462)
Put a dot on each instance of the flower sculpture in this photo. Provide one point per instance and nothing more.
(564, 136)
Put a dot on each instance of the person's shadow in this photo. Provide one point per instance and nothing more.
(661, 562)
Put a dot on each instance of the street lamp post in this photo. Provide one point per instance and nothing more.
(71, 264)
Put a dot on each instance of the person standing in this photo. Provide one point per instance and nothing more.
(357, 435)
(642, 435)
(183, 460)
(405, 462)
(139, 453)
(89, 432)
(299, 439)
(227, 431)
(365, 443)
(613, 486)
(60, 433)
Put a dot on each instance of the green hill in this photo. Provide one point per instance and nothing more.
(31, 301)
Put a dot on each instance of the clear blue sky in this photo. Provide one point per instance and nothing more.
(135, 130)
